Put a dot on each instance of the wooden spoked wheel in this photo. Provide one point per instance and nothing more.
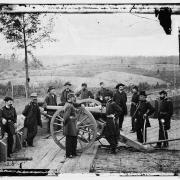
(86, 125)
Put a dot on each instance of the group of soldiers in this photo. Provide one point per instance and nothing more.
(116, 110)
(8, 122)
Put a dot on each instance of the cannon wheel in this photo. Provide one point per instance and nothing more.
(85, 122)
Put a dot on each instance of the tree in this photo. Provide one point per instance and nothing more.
(26, 31)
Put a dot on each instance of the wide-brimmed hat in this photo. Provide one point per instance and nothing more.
(7, 98)
(84, 84)
(118, 85)
(143, 93)
(67, 83)
(135, 87)
(50, 88)
(163, 92)
(33, 95)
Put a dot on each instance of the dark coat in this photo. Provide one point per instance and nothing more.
(52, 101)
(134, 102)
(70, 120)
(143, 107)
(111, 128)
(64, 95)
(10, 115)
(32, 118)
(121, 99)
(165, 111)
(84, 94)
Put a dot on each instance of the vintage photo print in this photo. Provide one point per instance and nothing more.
(89, 87)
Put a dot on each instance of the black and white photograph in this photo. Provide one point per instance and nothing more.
(89, 87)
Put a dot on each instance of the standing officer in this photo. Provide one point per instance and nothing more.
(134, 102)
(32, 119)
(65, 93)
(111, 130)
(165, 112)
(8, 118)
(70, 130)
(84, 93)
(51, 99)
(120, 98)
(143, 110)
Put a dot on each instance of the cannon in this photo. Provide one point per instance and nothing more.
(91, 121)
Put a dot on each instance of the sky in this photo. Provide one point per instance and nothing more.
(107, 34)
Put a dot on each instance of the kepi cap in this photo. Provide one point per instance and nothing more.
(7, 98)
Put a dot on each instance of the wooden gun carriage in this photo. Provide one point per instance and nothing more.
(90, 125)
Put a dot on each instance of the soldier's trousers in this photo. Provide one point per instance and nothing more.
(139, 133)
(133, 123)
(112, 140)
(121, 119)
(163, 135)
(71, 145)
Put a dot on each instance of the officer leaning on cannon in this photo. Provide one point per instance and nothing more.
(111, 130)
(70, 130)
(165, 112)
(143, 110)
(102, 93)
(8, 118)
(84, 93)
(65, 93)
(51, 99)
(32, 120)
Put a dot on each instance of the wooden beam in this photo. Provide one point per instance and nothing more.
(154, 142)
(88, 8)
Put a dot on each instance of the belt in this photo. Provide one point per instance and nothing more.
(110, 116)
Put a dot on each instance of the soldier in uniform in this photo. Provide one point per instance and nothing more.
(165, 112)
(120, 98)
(51, 99)
(65, 93)
(8, 118)
(134, 102)
(84, 93)
(32, 119)
(102, 93)
(111, 130)
(143, 110)
(70, 130)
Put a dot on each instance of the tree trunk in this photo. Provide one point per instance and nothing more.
(26, 60)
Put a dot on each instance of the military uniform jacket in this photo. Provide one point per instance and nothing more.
(52, 101)
(111, 129)
(121, 99)
(64, 95)
(143, 107)
(33, 116)
(70, 120)
(134, 102)
(165, 111)
(84, 94)
(10, 115)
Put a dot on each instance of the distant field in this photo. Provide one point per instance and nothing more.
(111, 70)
